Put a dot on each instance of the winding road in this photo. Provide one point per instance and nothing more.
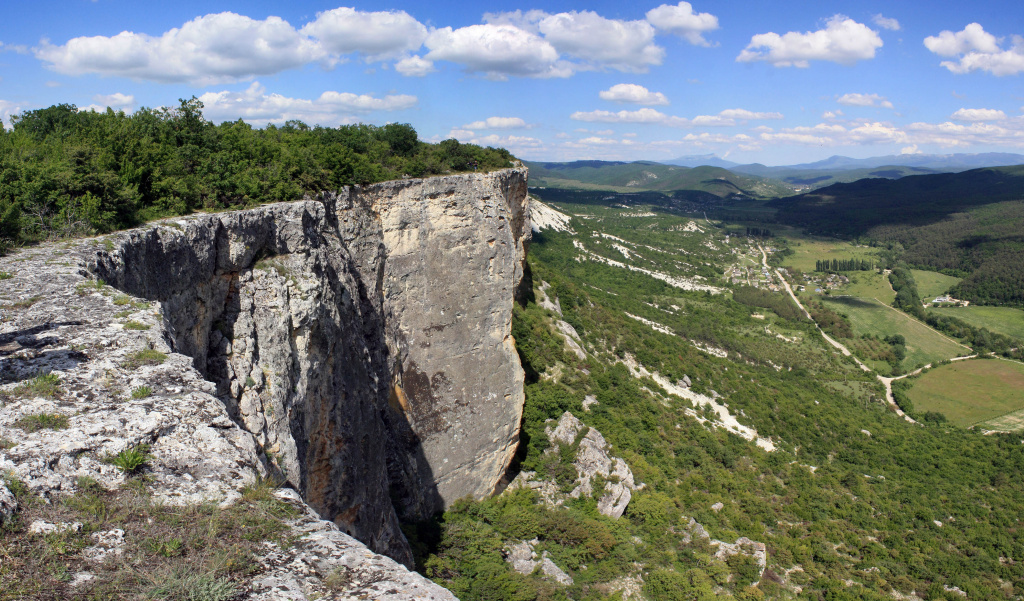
(887, 382)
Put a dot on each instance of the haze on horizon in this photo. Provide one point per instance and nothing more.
(748, 82)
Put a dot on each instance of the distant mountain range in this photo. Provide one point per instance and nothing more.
(936, 162)
(840, 169)
(648, 175)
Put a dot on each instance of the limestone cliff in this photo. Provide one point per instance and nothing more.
(358, 343)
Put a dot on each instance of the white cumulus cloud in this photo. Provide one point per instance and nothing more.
(497, 51)
(7, 110)
(978, 115)
(682, 21)
(497, 123)
(414, 66)
(644, 115)
(886, 23)
(633, 94)
(586, 35)
(378, 35)
(864, 100)
(843, 41)
(977, 50)
(116, 100)
(256, 106)
(216, 48)
(973, 38)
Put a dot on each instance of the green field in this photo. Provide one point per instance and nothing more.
(1002, 320)
(868, 284)
(972, 392)
(867, 316)
(808, 250)
(931, 284)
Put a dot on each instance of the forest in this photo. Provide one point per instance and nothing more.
(67, 172)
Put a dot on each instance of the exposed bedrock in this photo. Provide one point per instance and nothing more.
(363, 338)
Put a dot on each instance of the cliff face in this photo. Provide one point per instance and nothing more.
(363, 339)
(357, 344)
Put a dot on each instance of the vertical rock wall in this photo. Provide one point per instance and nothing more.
(363, 340)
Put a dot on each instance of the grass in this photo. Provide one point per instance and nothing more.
(869, 284)
(197, 553)
(931, 284)
(970, 392)
(142, 392)
(89, 286)
(42, 421)
(1002, 320)
(131, 459)
(24, 303)
(806, 251)
(43, 385)
(6, 275)
(867, 316)
(135, 325)
(145, 357)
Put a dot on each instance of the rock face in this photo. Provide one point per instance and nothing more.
(358, 345)
(592, 460)
(524, 559)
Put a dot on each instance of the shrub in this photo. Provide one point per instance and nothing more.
(135, 325)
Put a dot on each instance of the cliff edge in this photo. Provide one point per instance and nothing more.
(357, 346)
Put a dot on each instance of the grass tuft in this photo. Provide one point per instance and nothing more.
(131, 459)
(141, 392)
(135, 325)
(43, 384)
(145, 357)
(42, 421)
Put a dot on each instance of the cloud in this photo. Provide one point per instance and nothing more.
(594, 41)
(978, 115)
(256, 106)
(497, 51)
(7, 110)
(215, 48)
(886, 23)
(832, 114)
(116, 100)
(843, 41)
(912, 149)
(17, 48)
(497, 123)
(864, 100)
(726, 118)
(414, 66)
(977, 50)
(638, 116)
(632, 93)
(516, 144)
(973, 38)
(617, 44)
(744, 115)
(377, 35)
(683, 22)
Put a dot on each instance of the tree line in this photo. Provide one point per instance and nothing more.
(67, 172)
(837, 265)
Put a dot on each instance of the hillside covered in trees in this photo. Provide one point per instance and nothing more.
(67, 172)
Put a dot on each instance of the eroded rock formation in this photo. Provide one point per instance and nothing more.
(358, 343)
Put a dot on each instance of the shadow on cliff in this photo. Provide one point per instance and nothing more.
(337, 443)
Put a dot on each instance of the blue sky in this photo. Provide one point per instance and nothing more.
(770, 82)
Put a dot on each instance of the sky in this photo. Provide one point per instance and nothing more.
(751, 81)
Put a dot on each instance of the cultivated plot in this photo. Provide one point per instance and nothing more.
(1002, 320)
(985, 392)
(931, 284)
(868, 316)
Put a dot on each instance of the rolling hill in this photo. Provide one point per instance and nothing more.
(647, 175)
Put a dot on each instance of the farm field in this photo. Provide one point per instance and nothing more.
(867, 316)
(808, 250)
(978, 391)
(868, 284)
(931, 284)
(1002, 320)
